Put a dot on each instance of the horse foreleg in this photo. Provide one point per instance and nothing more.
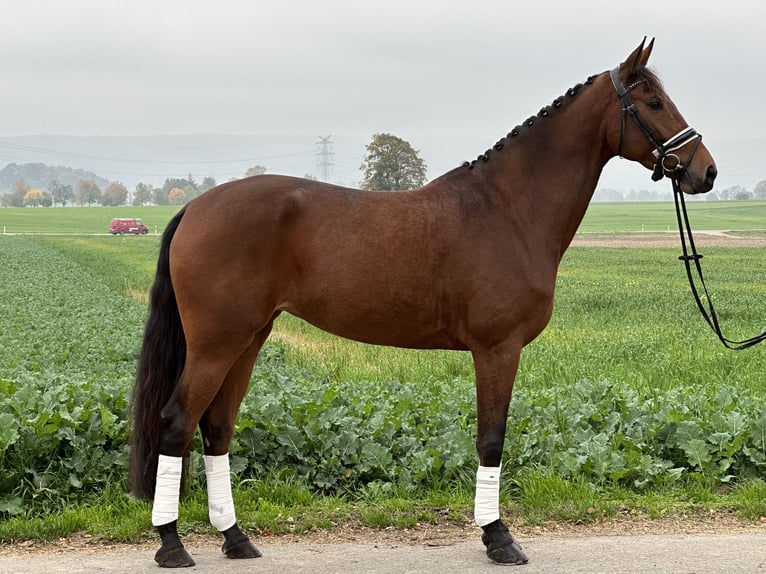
(495, 372)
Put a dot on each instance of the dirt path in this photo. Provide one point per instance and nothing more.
(702, 238)
(716, 543)
(700, 553)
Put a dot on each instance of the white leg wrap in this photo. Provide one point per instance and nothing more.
(219, 500)
(486, 507)
(167, 490)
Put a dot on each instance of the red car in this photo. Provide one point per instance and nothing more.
(120, 226)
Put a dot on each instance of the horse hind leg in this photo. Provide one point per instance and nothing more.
(207, 376)
(217, 426)
(178, 423)
(179, 418)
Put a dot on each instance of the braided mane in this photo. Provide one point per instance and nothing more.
(544, 112)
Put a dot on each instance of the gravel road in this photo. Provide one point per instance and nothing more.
(730, 553)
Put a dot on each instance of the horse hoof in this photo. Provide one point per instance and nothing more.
(176, 557)
(241, 549)
(501, 547)
(508, 554)
(237, 545)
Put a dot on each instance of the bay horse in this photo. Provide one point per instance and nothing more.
(467, 262)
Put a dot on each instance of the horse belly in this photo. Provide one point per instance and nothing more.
(372, 308)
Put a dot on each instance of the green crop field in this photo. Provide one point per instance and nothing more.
(661, 216)
(627, 391)
(80, 220)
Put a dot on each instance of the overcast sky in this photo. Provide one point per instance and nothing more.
(448, 76)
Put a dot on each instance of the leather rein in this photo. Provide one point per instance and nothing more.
(669, 164)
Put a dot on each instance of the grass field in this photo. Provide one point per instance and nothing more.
(620, 217)
(660, 216)
(80, 220)
(626, 400)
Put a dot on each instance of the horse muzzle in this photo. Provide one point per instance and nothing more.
(695, 175)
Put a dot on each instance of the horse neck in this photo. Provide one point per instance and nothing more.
(545, 176)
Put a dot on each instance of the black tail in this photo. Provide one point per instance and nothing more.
(159, 369)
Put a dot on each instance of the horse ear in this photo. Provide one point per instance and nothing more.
(645, 54)
(638, 58)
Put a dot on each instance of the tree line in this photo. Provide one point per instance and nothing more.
(88, 192)
(175, 191)
(733, 193)
(390, 163)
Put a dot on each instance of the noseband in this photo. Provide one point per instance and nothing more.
(662, 151)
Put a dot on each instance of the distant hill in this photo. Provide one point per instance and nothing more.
(153, 159)
(40, 175)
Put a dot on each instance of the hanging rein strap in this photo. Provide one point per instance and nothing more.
(690, 256)
(662, 152)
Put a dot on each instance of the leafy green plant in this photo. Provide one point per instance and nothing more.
(617, 393)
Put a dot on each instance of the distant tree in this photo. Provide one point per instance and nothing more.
(725, 194)
(160, 196)
(21, 185)
(60, 193)
(734, 192)
(88, 192)
(207, 183)
(391, 163)
(189, 186)
(143, 194)
(712, 196)
(114, 194)
(16, 197)
(255, 170)
(33, 198)
(607, 194)
(176, 196)
(47, 199)
(53, 186)
(760, 190)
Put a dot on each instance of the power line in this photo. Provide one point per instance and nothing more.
(48, 151)
(139, 162)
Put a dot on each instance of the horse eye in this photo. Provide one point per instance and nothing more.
(655, 105)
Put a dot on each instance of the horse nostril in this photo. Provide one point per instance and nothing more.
(712, 172)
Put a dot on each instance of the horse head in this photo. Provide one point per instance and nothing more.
(656, 134)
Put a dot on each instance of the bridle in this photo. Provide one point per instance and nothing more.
(662, 153)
